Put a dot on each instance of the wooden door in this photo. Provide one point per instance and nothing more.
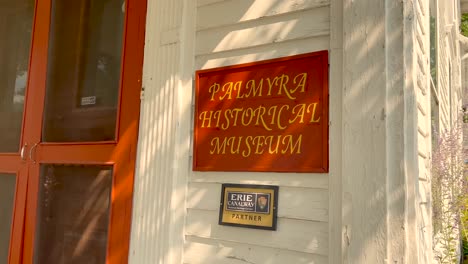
(16, 23)
(73, 166)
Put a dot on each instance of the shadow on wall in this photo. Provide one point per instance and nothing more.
(374, 143)
(249, 31)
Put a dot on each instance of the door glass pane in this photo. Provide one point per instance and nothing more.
(85, 45)
(7, 198)
(73, 214)
(15, 31)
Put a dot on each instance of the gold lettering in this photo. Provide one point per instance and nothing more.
(260, 111)
(313, 119)
(235, 114)
(217, 116)
(214, 88)
(217, 147)
(226, 125)
(236, 151)
(289, 144)
(300, 113)
(259, 144)
(204, 118)
(249, 113)
(275, 150)
(247, 153)
(279, 117)
(272, 114)
(238, 87)
(283, 81)
(254, 90)
(228, 91)
(270, 85)
(302, 82)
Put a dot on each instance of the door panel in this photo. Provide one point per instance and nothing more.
(84, 65)
(73, 214)
(15, 30)
(13, 182)
(7, 196)
(86, 69)
(73, 99)
(16, 242)
(16, 27)
(78, 154)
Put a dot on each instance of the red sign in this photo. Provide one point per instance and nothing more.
(264, 116)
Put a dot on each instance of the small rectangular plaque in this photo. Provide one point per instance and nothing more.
(253, 206)
(88, 100)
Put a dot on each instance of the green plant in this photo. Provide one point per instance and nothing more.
(464, 24)
(449, 195)
(464, 233)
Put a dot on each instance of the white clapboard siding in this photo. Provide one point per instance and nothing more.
(423, 132)
(264, 52)
(202, 251)
(201, 3)
(443, 70)
(422, 146)
(235, 11)
(422, 120)
(297, 25)
(423, 129)
(425, 221)
(421, 92)
(232, 32)
(424, 189)
(317, 181)
(291, 234)
(421, 88)
(313, 202)
(423, 164)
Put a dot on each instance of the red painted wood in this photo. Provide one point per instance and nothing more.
(17, 229)
(263, 116)
(120, 153)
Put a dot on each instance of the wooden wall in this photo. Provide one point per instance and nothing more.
(232, 32)
(422, 92)
(379, 123)
(448, 90)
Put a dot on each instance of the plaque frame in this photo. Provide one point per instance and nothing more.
(226, 217)
(213, 144)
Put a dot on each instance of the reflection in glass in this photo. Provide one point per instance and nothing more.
(73, 214)
(15, 29)
(7, 197)
(83, 70)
